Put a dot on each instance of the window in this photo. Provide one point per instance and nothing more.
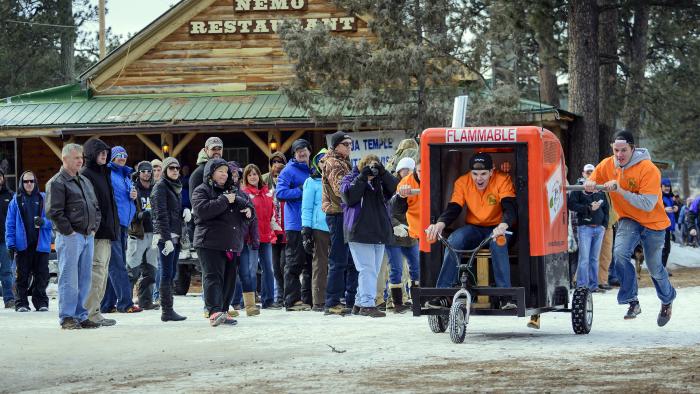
(8, 164)
(239, 155)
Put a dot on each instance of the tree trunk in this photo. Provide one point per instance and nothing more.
(685, 180)
(607, 47)
(68, 37)
(583, 82)
(541, 20)
(631, 113)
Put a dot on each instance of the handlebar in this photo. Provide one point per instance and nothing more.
(580, 188)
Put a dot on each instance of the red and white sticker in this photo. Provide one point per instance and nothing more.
(481, 134)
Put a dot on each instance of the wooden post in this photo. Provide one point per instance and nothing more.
(288, 144)
(151, 145)
(258, 142)
(52, 145)
(183, 143)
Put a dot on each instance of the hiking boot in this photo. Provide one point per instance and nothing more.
(318, 308)
(337, 310)
(111, 310)
(355, 309)
(229, 321)
(70, 324)
(106, 322)
(217, 318)
(149, 306)
(168, 314)
(274, 306)
(382, 306)
(371, 312)
(664, 315)
(598, 290)
(298, 306)
(10, 304)
(251, 309)
(401, 308)
(87, 323)
(43, 309)
(605, 287)
(133, 309)
(231, 313)
(633, 310)
(22, 309)
(534, 322)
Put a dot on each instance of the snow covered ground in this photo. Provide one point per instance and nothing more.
(291, 352)
(683, 256)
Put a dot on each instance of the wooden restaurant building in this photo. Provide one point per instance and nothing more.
(203, 68)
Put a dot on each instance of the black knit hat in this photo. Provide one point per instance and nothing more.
(481, 161)
(338, 137)
(624, 135)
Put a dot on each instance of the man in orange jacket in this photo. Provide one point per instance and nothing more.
(633, 182)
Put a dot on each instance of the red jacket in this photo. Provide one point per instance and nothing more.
(264, 209)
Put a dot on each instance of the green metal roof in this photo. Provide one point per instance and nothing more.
(43, 110)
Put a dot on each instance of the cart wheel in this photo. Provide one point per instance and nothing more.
(438, 323)
(582, 311)
(458, 320)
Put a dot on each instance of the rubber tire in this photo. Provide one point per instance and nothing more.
(182, 282)
(581, 304)
(458, 328)
(438, 323)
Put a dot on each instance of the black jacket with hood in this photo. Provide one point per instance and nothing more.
(142, 222)
(5, 198)
(101, 179)
(219, 225)
(166, 202)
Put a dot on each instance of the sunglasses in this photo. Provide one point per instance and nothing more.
(174, 168)
(277, 162)
(28, 181)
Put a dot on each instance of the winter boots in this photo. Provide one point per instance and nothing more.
(166, 303)
(249, 301)
(397, 296)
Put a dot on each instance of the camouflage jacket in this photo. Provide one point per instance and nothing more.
(334, 167)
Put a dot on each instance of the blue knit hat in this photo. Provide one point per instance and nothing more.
(119, 152)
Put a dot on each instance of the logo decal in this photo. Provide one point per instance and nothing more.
(491, 199)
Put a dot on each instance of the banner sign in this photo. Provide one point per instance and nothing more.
(383, 144)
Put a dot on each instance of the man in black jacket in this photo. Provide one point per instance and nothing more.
(7, 277)
(213, 149)
(592, 218)
(72, 207)
(97, 156)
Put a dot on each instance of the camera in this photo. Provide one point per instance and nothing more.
(38, 221)
(375, 169)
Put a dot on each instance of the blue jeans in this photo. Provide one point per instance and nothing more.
(75, 273)
(396, 255)
(248, 269)
(469, 237)
(368, 260)
(118, 291)
(342, 275)
(629, 233)
(167, 265)
(590, 239)
(7, 273)
(267, 282)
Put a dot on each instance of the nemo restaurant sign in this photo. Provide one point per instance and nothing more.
(252, 25)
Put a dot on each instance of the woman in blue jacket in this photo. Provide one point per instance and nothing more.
(28, 237)
(314, 232)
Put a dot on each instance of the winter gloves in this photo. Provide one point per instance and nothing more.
(307, 239)
(401, 230)
(168, 248)
(187, 215)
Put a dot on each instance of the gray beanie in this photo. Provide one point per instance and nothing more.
(169, 161)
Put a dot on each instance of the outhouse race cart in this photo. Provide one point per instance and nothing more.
(538, 257)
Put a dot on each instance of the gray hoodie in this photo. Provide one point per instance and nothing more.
(645, 202)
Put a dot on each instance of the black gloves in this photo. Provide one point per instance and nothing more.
(307, 239)
(11, 252)
(366, 172)
(38, 221)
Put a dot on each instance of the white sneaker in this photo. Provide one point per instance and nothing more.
(508, 305)
(184, 255)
